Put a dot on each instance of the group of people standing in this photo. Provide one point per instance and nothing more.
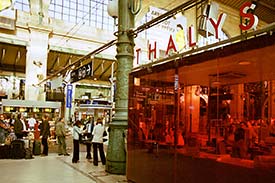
(95, 133)
(22, 128)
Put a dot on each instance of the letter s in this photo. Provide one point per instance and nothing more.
(253, 19)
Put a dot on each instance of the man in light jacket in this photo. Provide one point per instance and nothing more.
(60, 132)
(98, 142)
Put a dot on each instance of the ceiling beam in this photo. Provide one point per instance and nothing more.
(18, 57)
(99, 65)
(73, 51)
(13, 68)
(79, 60)
(265, 4)
(55, 61)
(3, 53)
(69, 60)
(105, 70)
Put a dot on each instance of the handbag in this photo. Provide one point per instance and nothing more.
(83, 140)
(8, 140)
(105, 138)
(80, 138)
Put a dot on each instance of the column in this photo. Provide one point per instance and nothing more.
(272, 99)
(192, 109)
(237, 103)
(116, 153)
(39, 11)
(36, 63)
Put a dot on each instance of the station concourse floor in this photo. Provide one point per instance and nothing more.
(55, 169)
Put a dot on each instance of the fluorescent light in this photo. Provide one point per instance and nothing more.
(244, 62)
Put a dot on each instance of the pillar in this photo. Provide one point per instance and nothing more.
(39, 11)
(116, 153)
(37, 50)
(237, 103)
(36, 63)
(272, 99)
(192, 109)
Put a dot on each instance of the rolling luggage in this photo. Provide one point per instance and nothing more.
(17, 149)
(36, 147)
(28, 154)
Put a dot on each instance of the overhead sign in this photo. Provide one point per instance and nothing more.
(184, 38)
(82, 72)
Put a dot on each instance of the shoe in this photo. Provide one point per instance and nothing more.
(67, 154)
(60, 154)
(43, 155)
(75, 161)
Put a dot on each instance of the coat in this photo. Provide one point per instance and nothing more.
(45, 129)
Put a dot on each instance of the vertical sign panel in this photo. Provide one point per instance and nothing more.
(69, 96)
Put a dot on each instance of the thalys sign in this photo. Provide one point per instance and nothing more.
(213, 27)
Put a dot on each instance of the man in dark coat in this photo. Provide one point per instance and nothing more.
(45, 133)
(19, 126)
(89, 128)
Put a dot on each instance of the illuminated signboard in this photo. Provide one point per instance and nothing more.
(82, 72)
(179, 40)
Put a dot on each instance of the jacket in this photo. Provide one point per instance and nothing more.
(45, 129)
(60, 129)
(98, 133)
(77, 131)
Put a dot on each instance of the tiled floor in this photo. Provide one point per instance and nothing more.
(55, 169)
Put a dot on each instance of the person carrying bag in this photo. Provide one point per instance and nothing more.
(77, 131)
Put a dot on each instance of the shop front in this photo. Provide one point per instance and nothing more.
(205, 115)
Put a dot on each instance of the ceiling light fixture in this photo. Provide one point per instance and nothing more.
(244, 62)
(216, 84)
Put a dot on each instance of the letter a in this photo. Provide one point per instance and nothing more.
(171, 45)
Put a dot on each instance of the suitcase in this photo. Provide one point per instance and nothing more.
(36, 147)
(5, 152)
(17, 149)
(28, 154)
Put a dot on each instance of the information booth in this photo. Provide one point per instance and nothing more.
(184, 112)
(95, 108)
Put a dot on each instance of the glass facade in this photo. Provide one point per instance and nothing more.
(91, 13)
(22, 5)
(208, 117)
